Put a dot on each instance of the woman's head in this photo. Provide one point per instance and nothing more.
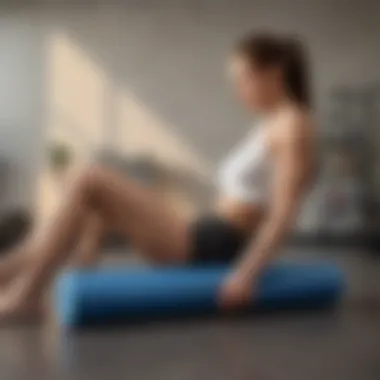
(268, 69)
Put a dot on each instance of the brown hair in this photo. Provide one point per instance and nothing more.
(265, 50)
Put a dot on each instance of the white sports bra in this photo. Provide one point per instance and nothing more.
(245, 173)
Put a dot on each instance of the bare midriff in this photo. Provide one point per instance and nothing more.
(244, 216)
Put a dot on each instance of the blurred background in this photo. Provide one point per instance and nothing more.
(141, 86)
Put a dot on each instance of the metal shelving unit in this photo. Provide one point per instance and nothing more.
(354, 127)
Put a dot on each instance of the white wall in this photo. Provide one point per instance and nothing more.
(170, 61)
(21, 104)
(173, 59)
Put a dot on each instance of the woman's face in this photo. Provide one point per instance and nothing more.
(256, 88)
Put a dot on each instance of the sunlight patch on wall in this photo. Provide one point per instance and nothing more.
(76, 113)
(87, 112)
(141, 132)
(77, 92)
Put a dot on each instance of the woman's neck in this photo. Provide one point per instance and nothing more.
(278, 109)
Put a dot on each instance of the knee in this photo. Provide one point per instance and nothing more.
(86, 184)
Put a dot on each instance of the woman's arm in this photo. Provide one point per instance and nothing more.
(291, 171)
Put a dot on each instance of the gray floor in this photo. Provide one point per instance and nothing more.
(339, 344)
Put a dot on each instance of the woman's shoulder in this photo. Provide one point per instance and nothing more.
(293, 128)
(295, 124)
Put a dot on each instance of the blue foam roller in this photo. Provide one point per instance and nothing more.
(107, 294)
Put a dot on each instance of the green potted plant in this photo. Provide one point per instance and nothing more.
(60, 157)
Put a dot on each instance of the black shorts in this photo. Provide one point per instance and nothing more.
(215, 240)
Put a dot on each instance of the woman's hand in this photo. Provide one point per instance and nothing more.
(236, 292)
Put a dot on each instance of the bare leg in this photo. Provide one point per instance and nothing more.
(35, 252)
(26, 253)
(13, 263)
(87, 251)
(159, 233)
(85, 254)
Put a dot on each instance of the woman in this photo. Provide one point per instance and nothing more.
(261, 185)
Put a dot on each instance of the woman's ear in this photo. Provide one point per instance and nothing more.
(277, 75)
